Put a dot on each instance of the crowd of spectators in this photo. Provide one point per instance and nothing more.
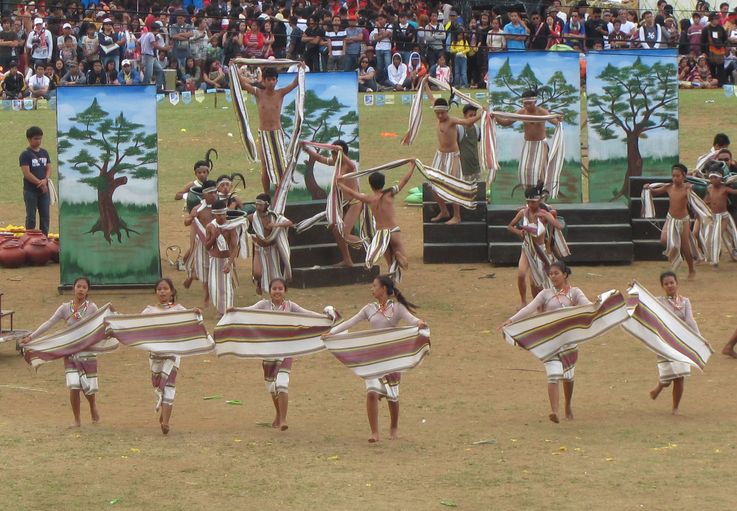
(392, 44)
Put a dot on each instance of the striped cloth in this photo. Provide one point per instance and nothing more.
(180, 333)
(721, 231)
(275, 256)
(241, 114)
(274, 153)
(221, 285)
(271, 334)
(662, 331)
(377, 353)
(85, 336)
(546, 334)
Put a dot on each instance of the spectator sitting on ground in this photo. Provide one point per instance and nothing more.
(701, 75)
(397, 77)
(13, 85)
(366, 75)
(685, 66)
(111, 73)
(38, 84)
(191, 75)
(417, 69)
(54, 80)
(128, 74)
(74, 76)
(215, 78)
(96, 75)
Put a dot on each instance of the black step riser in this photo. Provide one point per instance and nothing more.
(430, 209)
(465, 232)
(307, 278)
(660, 203)
(466, 253)
(321, 255)
(648, 250)
(636, 183)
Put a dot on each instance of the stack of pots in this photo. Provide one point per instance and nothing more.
(19, 247)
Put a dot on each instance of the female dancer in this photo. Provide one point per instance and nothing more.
(164, 367)
(276, 372)
(80, 368)
(387, 311)
(563, 364)
(669, 371)
(535, 257)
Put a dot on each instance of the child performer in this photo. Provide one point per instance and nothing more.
(81, 368)
(676, 235)
(562, 366)
(723, 228)
(535, 258)
(389, 309)
(225, 191)
(196, 260)
(448, 157)
(668, 370)
(381, 203)
(352, 209)
(729, 347)
(202, 169)
(222, 246)
(164, 368)
(276, 372)
(270, 244)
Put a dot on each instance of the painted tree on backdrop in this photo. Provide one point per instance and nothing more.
(555, 95)
(317, 126)
(634, 100)
(113, 150)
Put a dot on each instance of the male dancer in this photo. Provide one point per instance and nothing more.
(387, 240)
(533, 163)
(676, 235)
(270, 244)
(270, 135)
(448, 157)
(222, 246)
(723, 228)
(196, 260)
(352, 209)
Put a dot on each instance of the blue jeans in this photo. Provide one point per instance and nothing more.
(460, 71)
(151, 65)
(37, 202)
(181, 56)
(383, 59)
(350, 62)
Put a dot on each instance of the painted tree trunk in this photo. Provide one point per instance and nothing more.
(110, 222)
(634, 162)
(311, 183)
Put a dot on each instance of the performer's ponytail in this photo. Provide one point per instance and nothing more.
(391, 290)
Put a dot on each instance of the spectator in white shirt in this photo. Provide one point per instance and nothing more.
(38, 84)
(40, 43)
(397, 76)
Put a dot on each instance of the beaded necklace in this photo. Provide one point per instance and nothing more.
(566, 293)
(384, 308)
(78, 312)
(677, 302)
(281, 307)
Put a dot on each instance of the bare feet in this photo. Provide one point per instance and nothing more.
(75, 424)
(569, 415)
(692, 275)
(440, 216)
(275, 423)
(284, 427)
(554, 417)
(655, 393)
(188, 282)
(165, 429)
(453, 221)
(373, 439)
(729, 351)
(95, 416)
(393, 434)
(675, 411)
(347, 264)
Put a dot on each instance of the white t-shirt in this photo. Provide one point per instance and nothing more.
(38, 82)
(384, 44)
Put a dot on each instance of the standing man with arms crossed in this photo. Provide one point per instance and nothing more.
(36, 166)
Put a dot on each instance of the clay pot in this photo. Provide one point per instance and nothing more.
(53, 249)
(31, 234)
(194, 196)
(6, 236)
(36, 252)
(12, 254)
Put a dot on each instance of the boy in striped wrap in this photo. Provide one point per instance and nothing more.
(202, 169)
(271, 146)
(448, 156)
(670, 370)
(676, 235)
(196, 260)
(722, 231)
(270, 244)
(387, 240)
(533, 162)
(222, 246)
(562, 366)
(81, 368)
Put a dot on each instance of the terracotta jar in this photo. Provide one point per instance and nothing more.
(32, 234)
(36, 252)
(53, 249)
(6, 236)
(12, 254)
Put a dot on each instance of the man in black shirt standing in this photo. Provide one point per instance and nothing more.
(9, 41)
(36, 167)
(596, 28)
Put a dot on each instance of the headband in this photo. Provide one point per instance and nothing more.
(219, 211)
(260, 202)
(441, 108)
(210, 189)
(225, 180)
(529, 98)
(714, 173)
(536, 198)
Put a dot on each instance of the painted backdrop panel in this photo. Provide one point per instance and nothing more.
(632, 104)
(556, 77)
(108, 185)
(331, 113)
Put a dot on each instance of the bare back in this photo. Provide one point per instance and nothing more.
(382, 206)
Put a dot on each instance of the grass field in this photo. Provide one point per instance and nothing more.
(622, 452)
